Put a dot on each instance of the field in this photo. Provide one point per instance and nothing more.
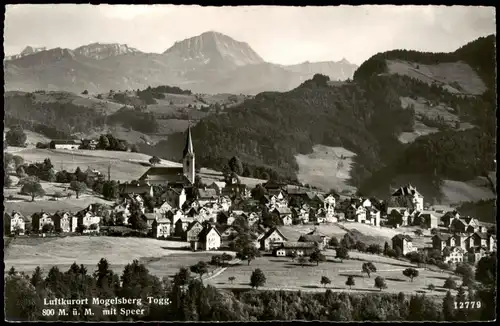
(162, 258)
(456, 77)
(327, 168)
(459, 191)
(32, 137)
(282, 273)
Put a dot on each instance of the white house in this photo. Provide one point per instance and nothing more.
(209, 239)
(456, 255)
(65, 144)
(17, 222)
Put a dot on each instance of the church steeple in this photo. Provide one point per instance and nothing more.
(188, 149)
(188, 163)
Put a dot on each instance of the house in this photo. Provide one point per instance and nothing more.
(225, 203)
(89, 144)
(150, 218)
(404, 242)
(483, 240)
(94, 174)
(355, 213)
(284, 213)
(457, 240)
(440, 241)
(474, 225)
(19, 224)
(88, 219)
(218, 186)
(458, 225)
(372, 216)
(208, 239)
(300, 248)
(408, 197)
(207, 195)
(252, 218)
(38, 220)
(457, 255)
(193, 230)
(448, 217)
(475, 254)
(316, 239)
(426, 220)
(300, 215)
(64, 222)
(65, 144)
(329, 205)
(162, 227)
(324, 238)
(271, 239)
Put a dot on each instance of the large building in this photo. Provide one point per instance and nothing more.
(164, 175)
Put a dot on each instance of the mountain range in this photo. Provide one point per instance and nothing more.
(208, 63)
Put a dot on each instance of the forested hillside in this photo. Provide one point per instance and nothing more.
(363, 116)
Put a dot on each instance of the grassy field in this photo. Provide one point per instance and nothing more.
(27, 208)
(282, 273)
(32, 137)
(293, 232)
(446, 73)
(325, 168)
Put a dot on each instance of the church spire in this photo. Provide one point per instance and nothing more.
(188, 149)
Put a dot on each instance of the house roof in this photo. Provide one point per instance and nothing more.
(442, 237)
(283, 210)
(134, 188)
(481, 235)
(165, 173)
(400, 202)
(208, 193)
(203, 234)
(271, 231)
(65, 142)
(407, 190)
(311, 238)
(298, 245)
(25, 218)
(402, 237)
(191, 225)
(150, 216)
(456, 248)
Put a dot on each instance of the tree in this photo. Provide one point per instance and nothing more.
(419, 232)
(333, 242)
(325, 281)
(465, 271)
(361, 246)
(215, 260)
(410, 273)
(398, 252)
(182, 277)
(431, 287)
(374, 249)
(448, 307)
(200, 268)
(103, 142)
(33, 188)
(342, 253)
(78, 187)
(7, 180)
(110, 189)
(434, 231)
(85, 92)
(16, 137)
(20, 172)
(12, 271)
(368, 268)
(302, 260)
(48, 228)
(450, 284)
(486, 269)
(350, 281)
(36, 278)
(380, 283)
(235, 165)
(386, 248)
(154, 160)
(134, 148)
(317, 257)
(225, 257)
(293, 255)
(231, 279)
(248, 253)
(257, 279)
(18, 161)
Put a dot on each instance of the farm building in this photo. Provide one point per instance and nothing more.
(300, 248)
(65, 144)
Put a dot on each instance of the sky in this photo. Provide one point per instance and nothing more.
(283, 35)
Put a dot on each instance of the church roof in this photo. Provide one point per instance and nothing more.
(165, 173)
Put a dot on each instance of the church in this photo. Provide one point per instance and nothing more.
(174, 176)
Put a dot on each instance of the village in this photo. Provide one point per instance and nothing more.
(228, 215)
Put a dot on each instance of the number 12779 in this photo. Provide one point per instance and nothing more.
(468, 305)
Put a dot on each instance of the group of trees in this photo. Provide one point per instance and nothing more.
(141, 121)
(190, 300)
(16, 136)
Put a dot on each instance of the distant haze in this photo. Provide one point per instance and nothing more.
(284, 35)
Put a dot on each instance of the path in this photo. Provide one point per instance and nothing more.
(220, 271)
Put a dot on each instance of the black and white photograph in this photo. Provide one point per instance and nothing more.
(188, 163)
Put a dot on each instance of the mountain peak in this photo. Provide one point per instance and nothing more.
(101, 51)
(213, 47)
